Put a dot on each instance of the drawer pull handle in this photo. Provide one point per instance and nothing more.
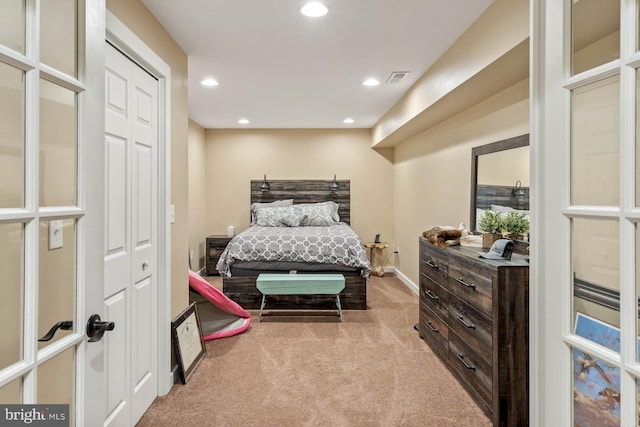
(433, 328)
(463, 283)
(466, 365)
(431, 295)
(430, 264)
(468, 325)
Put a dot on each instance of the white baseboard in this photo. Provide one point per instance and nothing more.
(404, 279)
(175, 375)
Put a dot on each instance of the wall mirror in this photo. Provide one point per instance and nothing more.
(499, 177)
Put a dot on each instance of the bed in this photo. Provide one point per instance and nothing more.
(290, 233)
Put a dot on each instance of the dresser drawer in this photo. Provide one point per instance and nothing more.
(434, 266)
(434, 331)
(471, 368)
(434, 296)
(471, 285)
(472, 327)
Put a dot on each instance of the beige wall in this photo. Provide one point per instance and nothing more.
(431, 177)
(235, 157)
(197, 194)
(139, 20)
(500, 29)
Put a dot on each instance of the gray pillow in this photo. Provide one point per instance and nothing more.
(278, 217)
(276, 204)
(333, 208)
(316, 214)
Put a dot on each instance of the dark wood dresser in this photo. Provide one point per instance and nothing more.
(215, 245)
(474, 314)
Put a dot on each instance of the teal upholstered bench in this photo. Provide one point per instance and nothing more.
(300, 284)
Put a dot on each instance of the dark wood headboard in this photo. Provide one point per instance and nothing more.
(306, 191)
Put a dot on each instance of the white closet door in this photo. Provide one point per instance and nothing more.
(131, 238)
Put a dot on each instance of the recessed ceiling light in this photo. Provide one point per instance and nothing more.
(348, 120)
(243, 121)
(371, 82)
(314, 10)
(209, 82)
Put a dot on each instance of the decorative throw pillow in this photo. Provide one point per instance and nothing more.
(278, 217)
(275, 204)
(316, 214)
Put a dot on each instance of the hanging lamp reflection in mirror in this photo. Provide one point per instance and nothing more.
(518, 191)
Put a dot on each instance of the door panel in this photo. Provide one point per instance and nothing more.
(116, 364)
(130, 260)
(144, 213)
(144, 378)
(117, 256)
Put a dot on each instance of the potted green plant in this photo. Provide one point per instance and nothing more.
(516, 225)
(490, 223)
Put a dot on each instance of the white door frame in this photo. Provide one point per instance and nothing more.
(124, 39)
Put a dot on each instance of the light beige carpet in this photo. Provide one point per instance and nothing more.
(311, 370)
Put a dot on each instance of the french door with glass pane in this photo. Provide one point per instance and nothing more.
(51, 202)
(586, 244)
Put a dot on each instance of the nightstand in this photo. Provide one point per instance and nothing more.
(214, 247)
(377, 261)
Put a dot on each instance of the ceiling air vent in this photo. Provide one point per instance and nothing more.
(397, 76)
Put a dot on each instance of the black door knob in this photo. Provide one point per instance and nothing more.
(96, 328)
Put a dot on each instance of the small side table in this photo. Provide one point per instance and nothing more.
(214, 247)
(377, 260)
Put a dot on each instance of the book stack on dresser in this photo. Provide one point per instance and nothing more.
(474, 314)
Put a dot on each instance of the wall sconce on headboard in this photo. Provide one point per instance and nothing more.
(518, 191)
(334, 185)
(265, 185)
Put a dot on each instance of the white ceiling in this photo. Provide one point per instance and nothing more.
(280, 69)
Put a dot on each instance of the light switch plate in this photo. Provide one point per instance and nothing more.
(55, 234)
